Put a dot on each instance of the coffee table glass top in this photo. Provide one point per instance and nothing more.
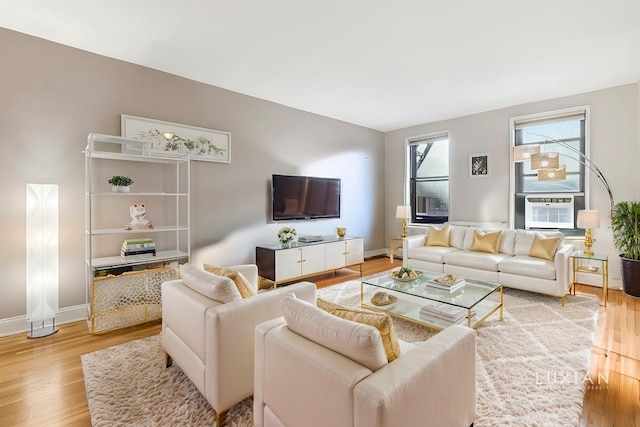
(412, 296)
(470, 294)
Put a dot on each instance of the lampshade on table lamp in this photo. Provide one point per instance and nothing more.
(588, 219)
(403, 212)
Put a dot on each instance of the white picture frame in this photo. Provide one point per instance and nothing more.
(479, 165)
(172, 139)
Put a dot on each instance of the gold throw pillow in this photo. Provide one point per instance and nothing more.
(380, 321)
(544, 247)
(438, 236)
(486, 242)
(241, 282)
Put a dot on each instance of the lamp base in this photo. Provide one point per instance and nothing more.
(43, 331)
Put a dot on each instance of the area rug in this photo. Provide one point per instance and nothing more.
(532, 368)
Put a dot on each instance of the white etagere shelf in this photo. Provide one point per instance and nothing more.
(127, 299)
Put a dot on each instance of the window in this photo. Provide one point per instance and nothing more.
(428, 167)
(569, 128)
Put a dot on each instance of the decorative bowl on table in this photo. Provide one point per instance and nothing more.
(405, 274)
(383, 298)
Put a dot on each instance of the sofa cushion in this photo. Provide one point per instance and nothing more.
(438, 236)
(238, 278)
(485, 242)
(456, 236)
(524, 240)
(381, 321)
(528, 266)
(218, 288)
(358, 342)
(430, 253)
(477, 260)
(544, 247)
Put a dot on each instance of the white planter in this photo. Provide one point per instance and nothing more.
(120, 189)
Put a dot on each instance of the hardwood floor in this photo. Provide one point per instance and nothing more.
(41, 380)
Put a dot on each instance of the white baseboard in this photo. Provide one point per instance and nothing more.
(369, 254)
(19, 324)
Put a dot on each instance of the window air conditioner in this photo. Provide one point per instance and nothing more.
(549, 211)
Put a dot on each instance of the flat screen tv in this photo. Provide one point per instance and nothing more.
(305, 197)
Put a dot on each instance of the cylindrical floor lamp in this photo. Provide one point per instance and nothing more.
(42, 259)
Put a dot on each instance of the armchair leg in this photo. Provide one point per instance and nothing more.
(221, 418)
(168, 361)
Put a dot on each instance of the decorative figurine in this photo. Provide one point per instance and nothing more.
(138, 220)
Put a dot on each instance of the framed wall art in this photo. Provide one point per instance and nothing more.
(172, 139)
(479, 166)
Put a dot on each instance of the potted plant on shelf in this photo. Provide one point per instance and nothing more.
(625, 223)
(120, 184)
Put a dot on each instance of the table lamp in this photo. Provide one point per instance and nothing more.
(403, 212)
(588, 219)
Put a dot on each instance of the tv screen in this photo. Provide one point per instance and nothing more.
(305, 197)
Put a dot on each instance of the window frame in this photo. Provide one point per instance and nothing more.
(516, 173)
(411, 180)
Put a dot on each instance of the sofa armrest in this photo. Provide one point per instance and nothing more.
(561, 264)
(250, 272)
(412, 242)
(441, 371)
(230, 341)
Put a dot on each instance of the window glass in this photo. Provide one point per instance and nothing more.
(562, 133)
(429, 179)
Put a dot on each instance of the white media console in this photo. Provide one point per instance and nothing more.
(281, 265)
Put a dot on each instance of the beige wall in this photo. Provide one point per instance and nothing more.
(615, 148)
(53, 96)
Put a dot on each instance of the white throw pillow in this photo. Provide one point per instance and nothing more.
(219, 288)
(360, 343)
(456, 236)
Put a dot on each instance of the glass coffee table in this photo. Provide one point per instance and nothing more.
(419, 302)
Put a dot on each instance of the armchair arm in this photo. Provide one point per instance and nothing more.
(230, 341)
(250, 272)
(441, 372)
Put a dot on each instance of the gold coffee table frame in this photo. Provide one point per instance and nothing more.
(473, 296)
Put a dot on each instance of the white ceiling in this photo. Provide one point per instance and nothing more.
(380, 64)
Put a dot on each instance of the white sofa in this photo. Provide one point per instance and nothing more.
(323, 378)
(213, 343)
(511, 266)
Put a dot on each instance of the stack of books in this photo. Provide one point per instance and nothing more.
(443, 311)
(447, 282)
(138, 249)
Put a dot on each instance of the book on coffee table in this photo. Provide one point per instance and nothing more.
(443, 311)
(447, 282)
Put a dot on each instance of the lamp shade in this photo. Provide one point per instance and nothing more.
(553, 174)
(588, 219)
(545, 160)
(522, 153)
(402, 211)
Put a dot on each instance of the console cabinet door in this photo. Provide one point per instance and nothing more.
(288, 264)
(355, 251)
(312, 259)
(335, 255)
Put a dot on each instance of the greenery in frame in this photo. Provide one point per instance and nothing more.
(174, 142)
(625, 223)
(120, 181)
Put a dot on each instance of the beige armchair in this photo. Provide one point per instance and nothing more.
(310, 377)
(213, 343)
